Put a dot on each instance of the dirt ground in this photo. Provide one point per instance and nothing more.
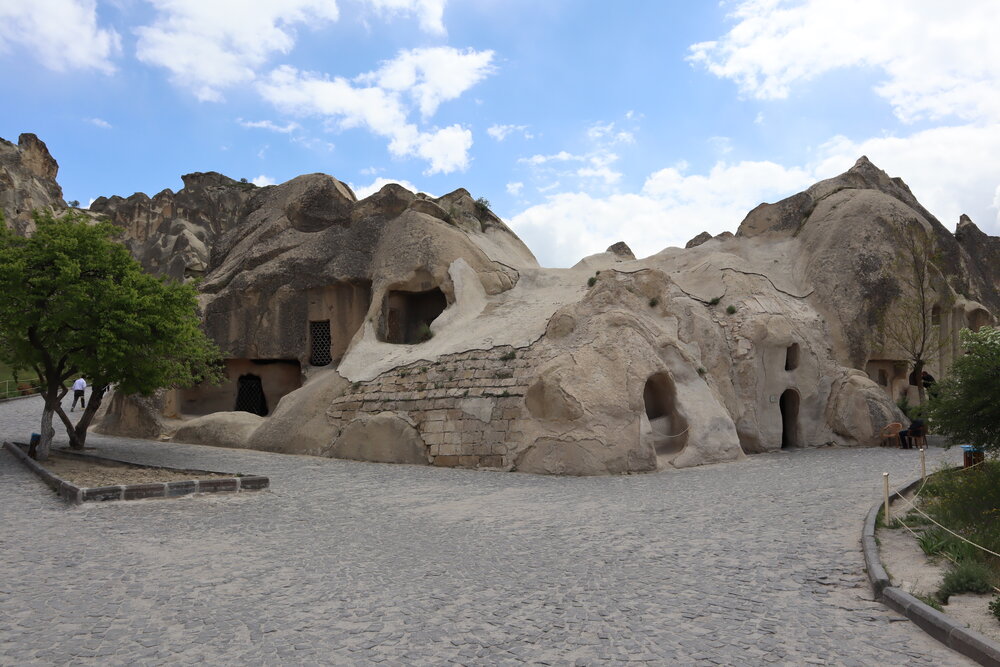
(910, 569)
(92, 473)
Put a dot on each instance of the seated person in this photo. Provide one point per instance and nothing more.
(906, 436)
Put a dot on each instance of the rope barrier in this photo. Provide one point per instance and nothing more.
(947, 530)
(916, 536)
(914, 507)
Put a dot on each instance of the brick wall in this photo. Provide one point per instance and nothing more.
(467, 406)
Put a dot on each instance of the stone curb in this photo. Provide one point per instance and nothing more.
(77, 495)
(939, 626)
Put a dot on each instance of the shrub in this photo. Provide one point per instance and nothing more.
(591, 281)
(968, 502)
(715, 301)
(482, 205)
(963, 405)
(424, 332)
(995, 607)
(730, 309)
(701, 370)
(966, 577)
(508, 356)
(654, 302)
(933, 541)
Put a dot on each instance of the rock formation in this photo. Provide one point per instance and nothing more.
(411, 329)
(27, 181)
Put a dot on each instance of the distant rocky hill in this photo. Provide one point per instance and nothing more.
(408, 328)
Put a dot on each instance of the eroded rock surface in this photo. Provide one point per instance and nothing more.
(411, 329)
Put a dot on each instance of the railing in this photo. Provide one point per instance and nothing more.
(13, 388)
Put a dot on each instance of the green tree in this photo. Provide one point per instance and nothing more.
(965, 406)
(73, 302)
(911, 327)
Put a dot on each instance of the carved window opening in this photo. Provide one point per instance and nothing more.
(936, 316)
(792, 357)
(319, 343)
(407, 316)
(250, 395)
(979, 319)
(789, 406)
(883, 377)
(669, 427)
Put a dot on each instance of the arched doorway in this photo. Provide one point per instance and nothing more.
(789, 406)
(250, 395)
(667, 427)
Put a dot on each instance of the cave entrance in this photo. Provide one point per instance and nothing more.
(668, 428)
(407, 316)
(789, 406)
(250, 395)
(792, 357)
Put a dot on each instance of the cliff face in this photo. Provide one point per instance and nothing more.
(27, 181)
(173, 234)
(851, 232)
(408, 321)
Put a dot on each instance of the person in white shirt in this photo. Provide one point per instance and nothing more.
(78, 388)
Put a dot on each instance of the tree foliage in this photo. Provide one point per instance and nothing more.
(73, 302)
(965, 406)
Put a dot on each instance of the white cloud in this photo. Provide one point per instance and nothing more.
(939, 59)
(62, 34)
(951, 170)
(269, 125)
(263, 180)
(99, 122)
(363, 191)
(606, 134)
(501, 132)
(209, 46)
(671, 208)
(721, 145)
(515, 189)
(429, 12)
(604, 174)
(561, 156)
(380, 110)
(433, 75)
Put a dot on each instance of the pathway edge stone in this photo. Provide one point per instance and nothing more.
(78, 495)
(939, 626)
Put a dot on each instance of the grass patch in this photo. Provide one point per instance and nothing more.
(968, 576)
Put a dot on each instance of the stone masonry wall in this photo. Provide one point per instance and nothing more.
(466, 406)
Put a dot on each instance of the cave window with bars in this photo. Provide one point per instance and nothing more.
(319, 347)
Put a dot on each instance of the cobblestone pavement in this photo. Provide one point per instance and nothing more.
(340, 562)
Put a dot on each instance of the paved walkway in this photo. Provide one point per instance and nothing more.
(748, 563)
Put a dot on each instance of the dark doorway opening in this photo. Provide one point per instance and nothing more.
(407, 316)
(792, 357)
(669, 427)
(789, 406)
(250, 395)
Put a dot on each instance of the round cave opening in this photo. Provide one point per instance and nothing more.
(664, 424)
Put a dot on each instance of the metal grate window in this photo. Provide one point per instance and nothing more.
(319, 343)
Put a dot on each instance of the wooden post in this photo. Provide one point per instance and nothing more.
(923, 464)
(885, 495)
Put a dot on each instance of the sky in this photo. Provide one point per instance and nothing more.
(583, 123)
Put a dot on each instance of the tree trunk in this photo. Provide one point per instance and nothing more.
(78, 438)
(41, 452)
(918, 371)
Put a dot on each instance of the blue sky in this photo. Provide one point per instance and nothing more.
(583, 122)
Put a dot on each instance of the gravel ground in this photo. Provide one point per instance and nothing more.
(749, 563)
